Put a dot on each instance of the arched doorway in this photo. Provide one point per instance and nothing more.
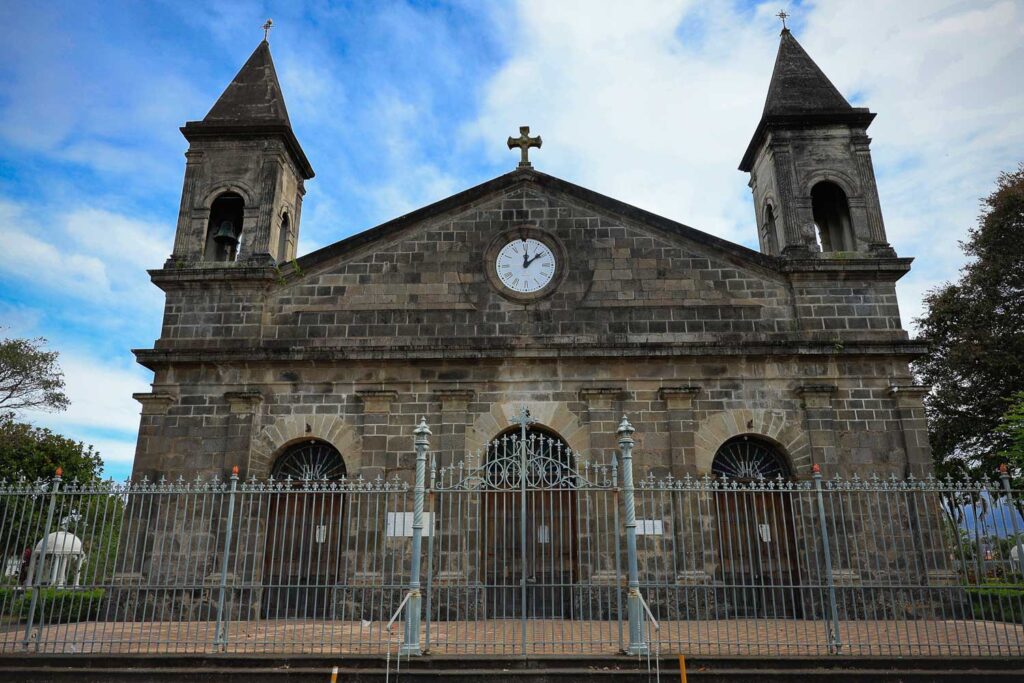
(528, 548)
(305, 534)
(757, 560)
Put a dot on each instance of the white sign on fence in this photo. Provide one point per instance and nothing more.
(400, 524)
(650, 527)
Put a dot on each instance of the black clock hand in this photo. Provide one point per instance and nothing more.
(535, 257)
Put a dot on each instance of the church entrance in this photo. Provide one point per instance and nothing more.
(528, 550)
(305, 533)
(526, 557)
(757, 558)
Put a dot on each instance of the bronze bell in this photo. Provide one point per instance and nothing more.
(226, 234)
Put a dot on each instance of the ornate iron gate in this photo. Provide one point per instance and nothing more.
(525, 556)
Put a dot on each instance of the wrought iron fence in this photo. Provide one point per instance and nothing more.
(858, 566)
(475, 557)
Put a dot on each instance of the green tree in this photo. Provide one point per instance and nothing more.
(34, 452)
(93, 514)
(30, 377)
(974, 329)
(1011, 427)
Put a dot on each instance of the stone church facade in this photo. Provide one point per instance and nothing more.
(798, 347)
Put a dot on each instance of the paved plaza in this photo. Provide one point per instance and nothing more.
(544, 637)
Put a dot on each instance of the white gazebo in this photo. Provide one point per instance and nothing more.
(63, 554)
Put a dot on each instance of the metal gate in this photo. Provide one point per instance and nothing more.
(525, 556)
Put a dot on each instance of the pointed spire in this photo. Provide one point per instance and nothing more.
(254, 95)
(252, 104)
(798, 86)
(800, 95)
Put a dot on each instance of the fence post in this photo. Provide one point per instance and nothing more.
(222, 631)
(1004, 476)
(637, 645)
(411, 645)
(836, 643)
(34, 565)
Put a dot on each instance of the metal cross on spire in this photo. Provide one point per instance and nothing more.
(524, 142)
(782, 15)
(266, 29)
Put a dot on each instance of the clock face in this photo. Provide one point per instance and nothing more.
(525, 266)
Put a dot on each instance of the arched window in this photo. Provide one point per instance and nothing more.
(224, 231)
(769, 238)
(749, 458)
(283, 234)
(831, 212)
(310, 461)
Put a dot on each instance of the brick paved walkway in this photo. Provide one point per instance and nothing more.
(504, 637)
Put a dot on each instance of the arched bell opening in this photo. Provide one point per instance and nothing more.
(529, 542)
(306, 535)
(283, 238)
(758, 565)
(224, 229)
(769, 232)
(831, 211)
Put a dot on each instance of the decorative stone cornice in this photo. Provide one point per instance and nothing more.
(816, 389)
(155, 403)
(587, 393)
(454, 399)
(377, 400)
(242, 402)
(601, 398)
(248, 351)
(817, 395)
(909, 394)
(678, 398)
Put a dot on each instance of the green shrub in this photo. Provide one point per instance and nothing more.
(998, 602)
(56, 605)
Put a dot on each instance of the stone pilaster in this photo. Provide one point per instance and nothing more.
(151, 458)
(451, 433)
(819, 416)
(603, 407)
(910, 408)
(184, 234)
(376, 418)
(682, 428)
(243, 425)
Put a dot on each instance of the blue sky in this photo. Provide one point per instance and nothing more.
(398, 104)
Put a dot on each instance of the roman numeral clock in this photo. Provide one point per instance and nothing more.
(525, 264)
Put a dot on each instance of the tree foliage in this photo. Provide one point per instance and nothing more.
(1011, 427)
(974, 329)
(30, 377)
(34, 452)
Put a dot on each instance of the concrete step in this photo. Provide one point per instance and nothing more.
(276, 669)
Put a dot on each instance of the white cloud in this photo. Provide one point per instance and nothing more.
(128, 242)
(101, 395)
(87, 253)
(28, 256)
(655, 107)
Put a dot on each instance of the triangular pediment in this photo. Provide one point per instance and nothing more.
(432, 277)
(541, 184)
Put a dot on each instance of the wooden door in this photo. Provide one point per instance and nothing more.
(302, 555)
(756, 553)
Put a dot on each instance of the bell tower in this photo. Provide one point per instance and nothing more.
(810, 166)
(244, 176)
